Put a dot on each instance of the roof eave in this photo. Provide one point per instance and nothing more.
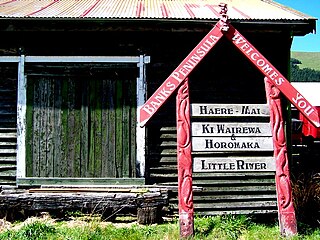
(296, 27)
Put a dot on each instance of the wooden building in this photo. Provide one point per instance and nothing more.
(75, 72)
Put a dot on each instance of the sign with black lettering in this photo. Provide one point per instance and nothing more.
(257, 129)
(227, 110)
(233, 164)
(233, 143)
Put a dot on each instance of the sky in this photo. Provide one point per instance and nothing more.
(311, 41)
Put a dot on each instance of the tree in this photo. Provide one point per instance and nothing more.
(304, 74)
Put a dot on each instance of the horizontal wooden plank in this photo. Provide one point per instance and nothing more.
(237, 129)
(171, 160)
(95, 190)
(5, 167)
(238, 189)
(233, 164)
(168, 129)
(214, 198)
(7, 173)
(7, 90)
(236, 144)
(8, 182)
(201, 212)
(4, 143)
(89, 202)
(12, 120)
(8, 135)
(234, 175)
(172, 144)
(7, 113)
(84, 59)
(164, 175)
(229, 110)
(7, 151)
(163, 168)
(2, 129)
(34, 181)
(221, 182)
(7, 159)
(238, 205)
(149, 188)
(169, 152)
(8, 97)
(168, 136)
(199, 180)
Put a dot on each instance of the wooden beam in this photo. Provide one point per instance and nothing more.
(21, 119)
(141, 131)
(35, 181)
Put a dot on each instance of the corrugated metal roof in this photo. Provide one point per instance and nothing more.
(147, 9)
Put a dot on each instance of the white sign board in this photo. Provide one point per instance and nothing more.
(226, 144)
(233, 164)
(228, 129)
(228, 110)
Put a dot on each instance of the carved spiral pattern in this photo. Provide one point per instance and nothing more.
(184, 149)
(183, 118)
(280, 147)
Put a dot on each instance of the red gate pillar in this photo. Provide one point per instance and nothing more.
(286, 213)
(185, 194)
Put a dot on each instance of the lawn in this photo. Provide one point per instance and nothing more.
(218, 227)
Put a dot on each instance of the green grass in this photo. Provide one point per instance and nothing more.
(219, 228)
(308, 59)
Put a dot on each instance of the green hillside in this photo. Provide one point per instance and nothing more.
(308, 59)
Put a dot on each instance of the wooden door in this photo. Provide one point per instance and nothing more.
(81, 121)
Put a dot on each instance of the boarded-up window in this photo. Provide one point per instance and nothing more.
(81, 121)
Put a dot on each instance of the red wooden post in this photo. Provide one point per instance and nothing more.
(185, 194)
(286, 213)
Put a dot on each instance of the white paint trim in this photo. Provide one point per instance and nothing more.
(81, 59)
(21, 119)
(141, 131)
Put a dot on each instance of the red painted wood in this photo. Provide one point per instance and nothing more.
(307, 128)
(286, 213)
(185, 194)
(175, 79)
(309, 111)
